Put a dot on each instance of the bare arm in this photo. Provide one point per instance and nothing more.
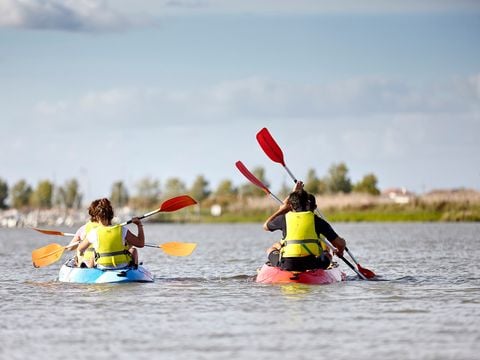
(139, 239)
(83, 246)
(76, 239)
(340, 244)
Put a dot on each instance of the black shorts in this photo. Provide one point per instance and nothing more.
(299, 263)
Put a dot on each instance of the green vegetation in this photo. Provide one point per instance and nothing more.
(391, 213)
(338, 197)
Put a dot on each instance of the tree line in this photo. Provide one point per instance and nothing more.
(148, 191)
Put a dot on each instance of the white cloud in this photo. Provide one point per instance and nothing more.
(258, 98)
(69, 15)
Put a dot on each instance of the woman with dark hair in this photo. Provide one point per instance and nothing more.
(113, 244)
(301, 248)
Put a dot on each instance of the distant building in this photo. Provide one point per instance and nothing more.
(399, 195)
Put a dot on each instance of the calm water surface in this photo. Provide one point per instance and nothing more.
(426, 304)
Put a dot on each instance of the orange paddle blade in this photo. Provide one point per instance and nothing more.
(177, 203)
(53, 232)
(47, 255)
(178, 248)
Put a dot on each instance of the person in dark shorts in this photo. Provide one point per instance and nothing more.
(301, 248)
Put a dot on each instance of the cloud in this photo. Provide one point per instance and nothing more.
(260, 98)
(118, 15)
(67, 15)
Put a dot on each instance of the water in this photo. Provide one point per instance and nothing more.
(426, 304)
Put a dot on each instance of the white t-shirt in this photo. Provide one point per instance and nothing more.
(81, 232)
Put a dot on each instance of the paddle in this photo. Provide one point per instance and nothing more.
(51, 253)
(273, 151)
(175, 248)
(254, 180)
(53, 232)
(173, 204)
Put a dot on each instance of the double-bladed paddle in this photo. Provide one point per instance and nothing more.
(275, 153)
(254, 180)
(51, 253)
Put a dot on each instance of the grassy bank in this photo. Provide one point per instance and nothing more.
(439, 206)
(373, 214)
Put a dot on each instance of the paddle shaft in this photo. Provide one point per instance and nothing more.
(353, 268)
(141, 217)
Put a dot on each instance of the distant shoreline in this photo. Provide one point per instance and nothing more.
(440, 206)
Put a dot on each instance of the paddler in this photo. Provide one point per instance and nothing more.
(301, 248)
(82, 232)
(113, 244)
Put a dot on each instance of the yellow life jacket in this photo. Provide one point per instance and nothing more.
(89, 252)
(110, 250)
(301, 238)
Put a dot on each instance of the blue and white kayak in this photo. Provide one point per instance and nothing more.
(71, 274)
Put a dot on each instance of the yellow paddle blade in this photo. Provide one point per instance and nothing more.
(47, 255)
(178, 248)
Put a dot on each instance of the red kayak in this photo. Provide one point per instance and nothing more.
(274, 275)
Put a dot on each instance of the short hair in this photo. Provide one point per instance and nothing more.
(298, 200)
(311, 203)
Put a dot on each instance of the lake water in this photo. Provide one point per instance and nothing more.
(426, 304)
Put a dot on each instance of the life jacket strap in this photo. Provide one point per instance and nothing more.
(308, 241)
(113, 253)
(303, 244)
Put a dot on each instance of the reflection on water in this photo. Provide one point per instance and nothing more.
(423, 305)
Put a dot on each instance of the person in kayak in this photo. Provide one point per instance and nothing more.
(113, 244)
(82, 232)
(301, 248)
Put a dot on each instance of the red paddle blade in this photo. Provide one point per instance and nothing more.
(270, 146)
(177, 203)
(365, 272)
(252, 178)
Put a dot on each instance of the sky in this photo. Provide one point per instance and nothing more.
(103, 91)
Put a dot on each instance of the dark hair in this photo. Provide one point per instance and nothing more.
(311, 203)
(92, 208)
(104, 211)
(299, 200)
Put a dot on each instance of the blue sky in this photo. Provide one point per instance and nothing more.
(110, 90)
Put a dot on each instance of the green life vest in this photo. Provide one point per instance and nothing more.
(301, 238)
(110, 250)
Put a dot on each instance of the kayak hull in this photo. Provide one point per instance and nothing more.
(96, 276)
(274, 275)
